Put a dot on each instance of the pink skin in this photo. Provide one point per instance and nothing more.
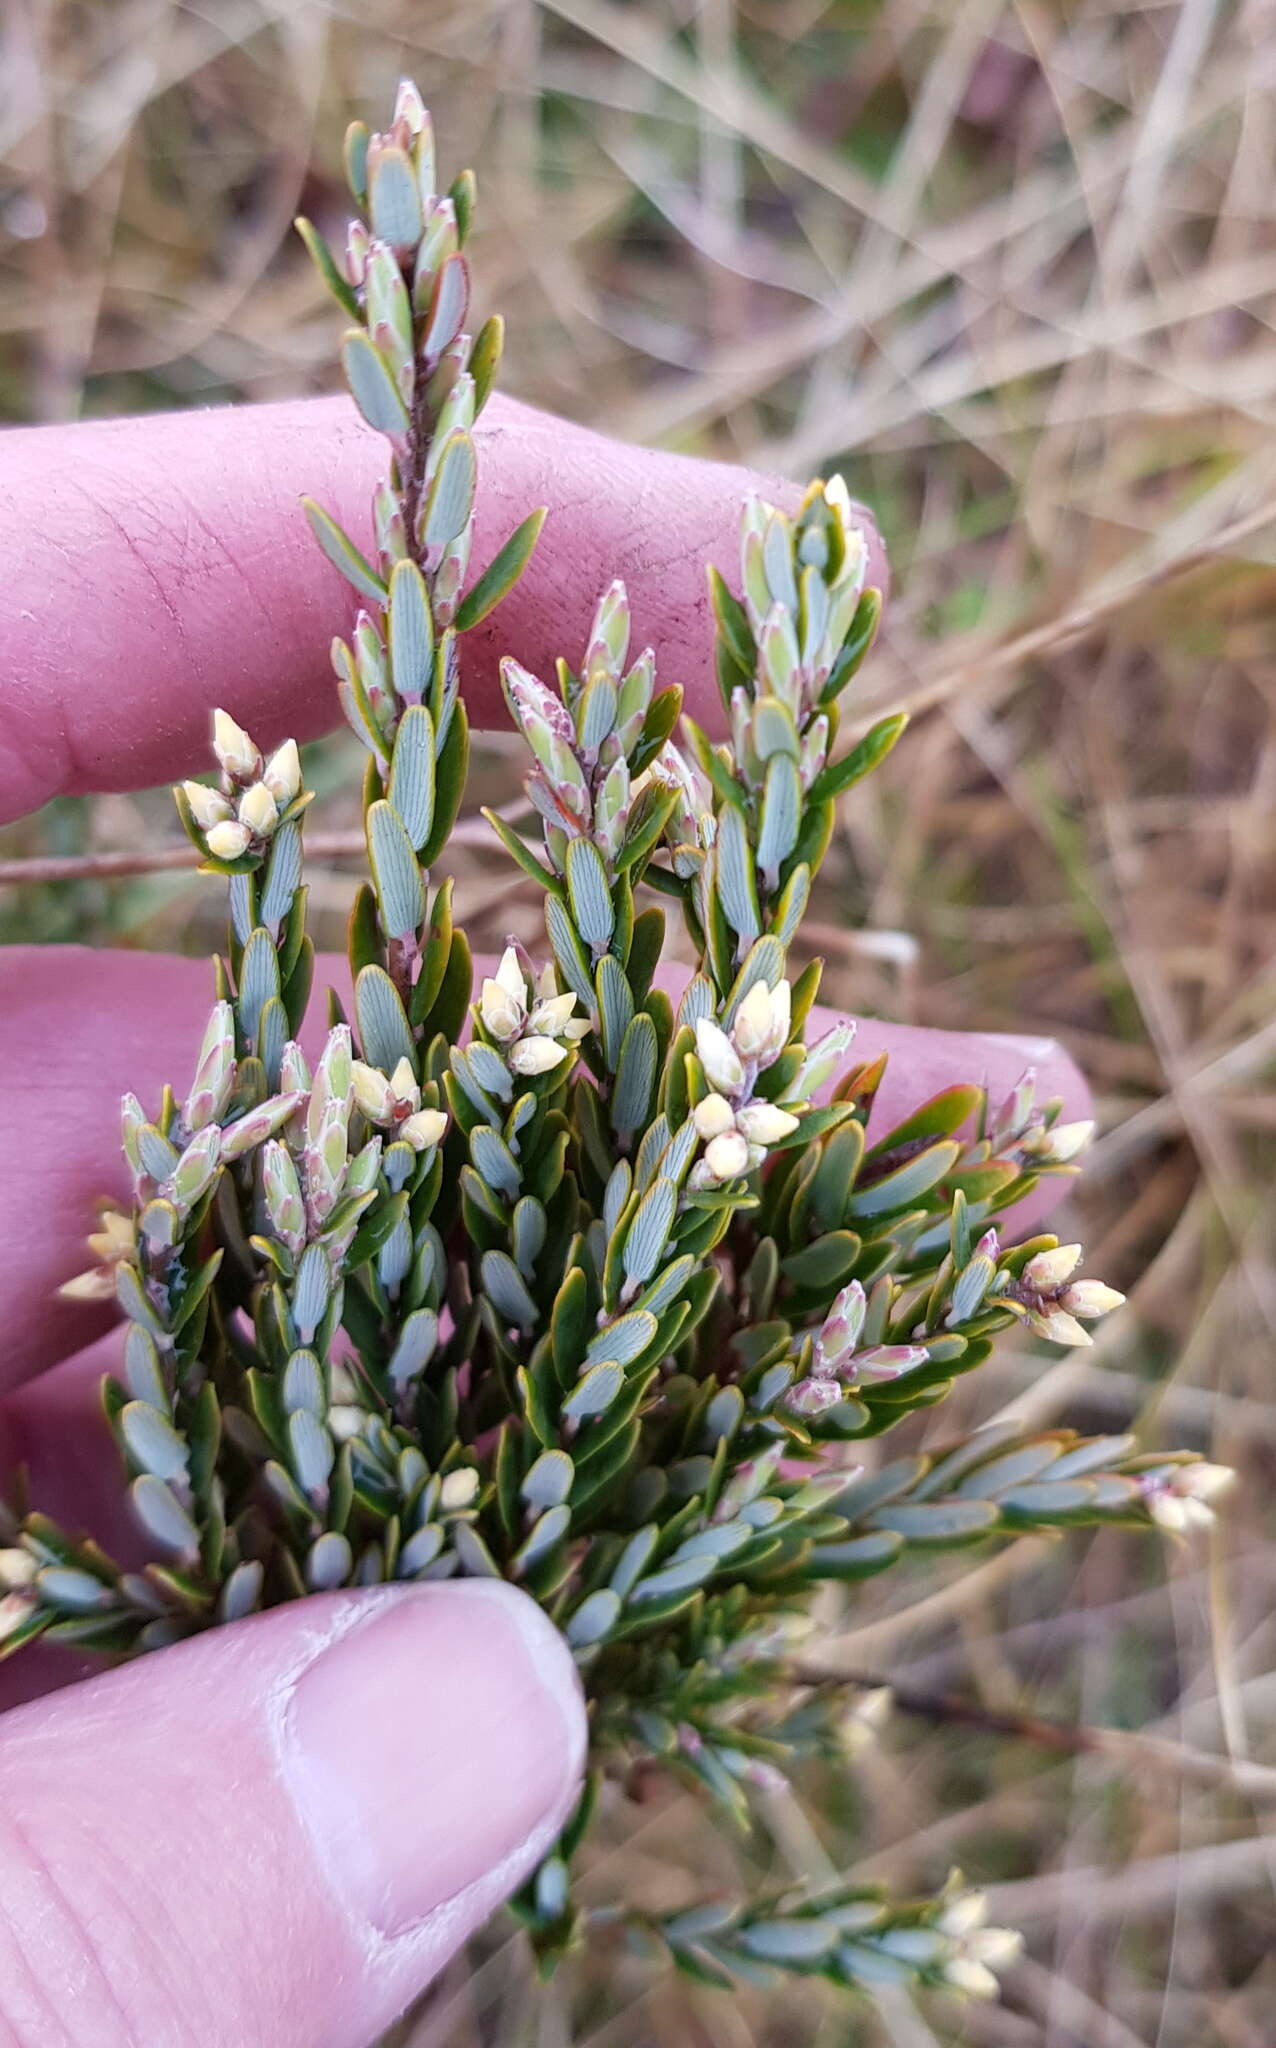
(154, 568)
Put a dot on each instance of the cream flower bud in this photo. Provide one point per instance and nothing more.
(282, 774)
(1048, 1271)
(727, 1157)
(552, 1016)
(718, 1057)
(764, 1124)
(964, 1973)
(424, 1130)
(17, 1568)
(1058, 1327)
(257, 810)
(502, 1014)
(236, 752)
(459, 1490)
(713, 1116)
(228, 840)
(403, 1083)
(1065, 1141)
(751, 1031)
(345, 1421)
(1090, 1299)
(372, 1092)
(208, 807)
(536, 1056)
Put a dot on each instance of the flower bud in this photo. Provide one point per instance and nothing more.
(814, 1396)
(208, 807)
(764, 1124)
(459, 1490)
(503, 999)
(1090, 1299)
(1065, 1141)
(237, 754)
(552, 1018)
(228, 840)
(424, 1130)
(531, 1056)
(713, 1117)
(727, 1157)
(372, 1092)
(282, 775)
(718, 1057)
(403, 1084)
(1048, 1271)
(257, 811)
(1058, 1327)
(17, 1568)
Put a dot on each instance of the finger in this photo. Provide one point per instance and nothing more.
(327, 1799)
(136, 1022)
(156, 567)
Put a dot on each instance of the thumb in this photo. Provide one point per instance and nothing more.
(280, 1831)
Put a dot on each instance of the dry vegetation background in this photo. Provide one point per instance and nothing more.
(1013, 268)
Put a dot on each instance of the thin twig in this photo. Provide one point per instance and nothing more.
(1072, 1738)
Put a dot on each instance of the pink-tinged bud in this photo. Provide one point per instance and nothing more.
(208, 807)
(282, 775)
(1178, 1497)
(814, 1396)
(257, 811)
(424, 1130)
(214, 1080)
(713, 1117)
(841, 1329)
(15, 1609)
(885, 1362)
(282, 1193)
(989, 1246)
(197, 1168)
(259, 1124)
(229, 840)
(236, 752)
(294, 1069)
(1048, 1271)
(718, 1057)
(531, 1056)
(358, 243)
(1090, 1299)
(727, 1157)
(765, 1124)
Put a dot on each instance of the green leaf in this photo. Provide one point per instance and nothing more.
(372, 384)
(940, 1522)
(589, 894)
(411, 632)
(781, 814)
(395, 873)
(394, 201)
(506, 1289)
(501, 573)
(321, 256)
(411, 788)
(737, 881)
(449, 301)
(899, 1190)
(342, 552)
(732, 622)
(384, 1032)
(451, 497)
(866, 755)
(485, 359)
(635, 1076)
(520, 851)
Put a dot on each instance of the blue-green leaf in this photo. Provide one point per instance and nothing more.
(372, 384)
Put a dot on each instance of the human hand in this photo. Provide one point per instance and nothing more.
(155, 568)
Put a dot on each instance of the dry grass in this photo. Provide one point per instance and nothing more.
(1012, 267)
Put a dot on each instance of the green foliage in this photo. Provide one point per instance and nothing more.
(594, 1299)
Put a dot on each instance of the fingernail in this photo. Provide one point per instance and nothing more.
(433, 1745)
